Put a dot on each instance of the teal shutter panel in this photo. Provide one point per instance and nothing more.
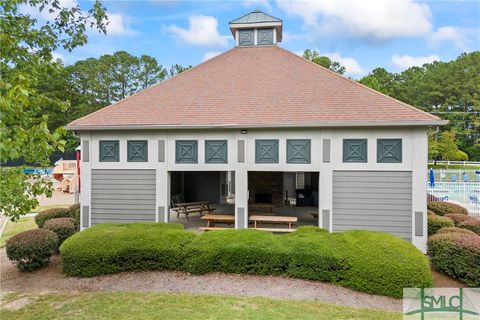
(389, 150)
(186, 151)
(264, 36)
(137, 150)
(266, 151)
(245, 37)
(216, 151)
(298, 150)
(355, 150)
(109, 151)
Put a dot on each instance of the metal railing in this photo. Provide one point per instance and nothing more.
(462, 163)
(466, 194)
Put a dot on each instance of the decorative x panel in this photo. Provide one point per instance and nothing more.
(137, 150)
(264, 36)
(266, 151)
(354, 150)
(109, 151)
(298, 151)
(245, 37)
(216, 151)
(389, 150)
(186, 151)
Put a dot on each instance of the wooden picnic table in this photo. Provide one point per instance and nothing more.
(212, 218)
(257, 220)
(191, 207)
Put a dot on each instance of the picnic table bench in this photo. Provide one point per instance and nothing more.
(258, 220)
(192, 207)
(213, 218)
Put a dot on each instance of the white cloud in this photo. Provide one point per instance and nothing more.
(202, 31)
(58, 56)
(45, 14)
(257, 3)
(118, 25)
(405, 61)
(210, 54)
(449, 34)
(351, 65)
(367, 19)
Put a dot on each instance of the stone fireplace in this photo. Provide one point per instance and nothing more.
(265, 187)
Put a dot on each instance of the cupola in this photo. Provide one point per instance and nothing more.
(256, 29)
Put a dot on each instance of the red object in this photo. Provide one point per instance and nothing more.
(78, 169)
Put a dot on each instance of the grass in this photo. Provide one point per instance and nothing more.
(453, 166)
(142, 305)
(12, 228)
(51, 206)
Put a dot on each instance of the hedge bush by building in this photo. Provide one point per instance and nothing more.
(32, 249)
(472, 224)
(436, 223)
(70, 212)
(457, 218)
(455, 230)
(372, 262)
(63, 227)
(457, 255)
(443, 208)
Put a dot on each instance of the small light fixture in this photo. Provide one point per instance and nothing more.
(243, 131)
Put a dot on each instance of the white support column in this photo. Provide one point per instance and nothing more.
(85, 183)
(419, 188)
(325, 198)
(241, 198)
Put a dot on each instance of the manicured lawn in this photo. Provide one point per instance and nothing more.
(453, 166)
(46, 207)
(12, 228)
(128, 305)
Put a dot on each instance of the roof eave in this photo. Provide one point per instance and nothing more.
(429, 123)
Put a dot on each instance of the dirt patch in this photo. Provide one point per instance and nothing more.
(51, 279)
(16, 303)
(441, 280)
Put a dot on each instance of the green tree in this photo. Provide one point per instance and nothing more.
(149, 72)
(448, 149)
(177, 69)
(26, 49)
(324, 61)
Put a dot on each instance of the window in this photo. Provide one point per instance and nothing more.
(266, 151)
(264, 36)
(355, 150)
(216, 151)
(389, 150)
(109, 151)
(298, 151)
(186, 151)
(245, 37)
(137, 150)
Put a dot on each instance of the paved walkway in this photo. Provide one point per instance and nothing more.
(51, 279)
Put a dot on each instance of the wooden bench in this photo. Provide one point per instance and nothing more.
(218, 218)
(257, 220)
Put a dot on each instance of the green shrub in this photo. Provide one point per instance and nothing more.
(54, 213)
(457, 255)
(472, 224)
(436, 223)
(457, 218)
(373, 262)
(75, 215)
(113, 248)
(32, 249)
(455, 230)
(443, 208)
(63, 227)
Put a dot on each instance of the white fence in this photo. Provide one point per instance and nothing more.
(466, 194)
(462, 163)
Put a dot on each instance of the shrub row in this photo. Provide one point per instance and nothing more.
(456, 254)
(372, 262)
(70, 212)
(472, 224)
(443, 208)
(63, 228)
(455, 230)
(436, 223)
(32, 249)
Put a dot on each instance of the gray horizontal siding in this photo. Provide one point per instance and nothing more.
(123, 196)
(373, 200)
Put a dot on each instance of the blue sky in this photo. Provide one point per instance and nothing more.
(360, 34)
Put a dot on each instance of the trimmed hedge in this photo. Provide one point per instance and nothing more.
(457, 218)
(436, 223)
(63, 227)
(443, 208)
(472, 224)
(372, 262)
(32, 249)
(113, 248)
(455, 230)
(70, 212)
(457, 255)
